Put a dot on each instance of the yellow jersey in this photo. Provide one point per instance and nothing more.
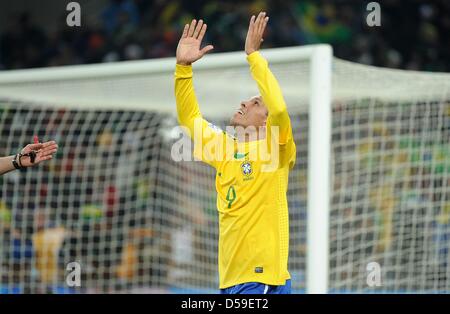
(251, 200)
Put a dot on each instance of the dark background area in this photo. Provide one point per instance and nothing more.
(413, 34)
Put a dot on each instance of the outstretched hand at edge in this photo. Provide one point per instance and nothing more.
(44, 151)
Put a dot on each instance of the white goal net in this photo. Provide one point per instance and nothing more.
(134, 220)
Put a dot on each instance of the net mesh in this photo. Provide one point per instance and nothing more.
(114, 201)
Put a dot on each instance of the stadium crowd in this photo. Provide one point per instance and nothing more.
(412, 35)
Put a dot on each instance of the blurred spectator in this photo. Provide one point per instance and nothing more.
(47, 241)
(120, 13)
(21, 44)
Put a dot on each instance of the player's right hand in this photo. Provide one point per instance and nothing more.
(188, 50)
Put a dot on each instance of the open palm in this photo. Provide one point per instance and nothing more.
(44, 151)
(188, 50)
(255, 32)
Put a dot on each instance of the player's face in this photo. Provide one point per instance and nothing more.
(252, 112)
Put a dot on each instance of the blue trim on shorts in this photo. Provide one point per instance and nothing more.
(258, 288)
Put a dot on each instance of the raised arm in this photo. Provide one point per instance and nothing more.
(188, 51)
(267, 83)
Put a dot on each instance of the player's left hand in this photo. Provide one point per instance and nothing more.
(44, 151)
(255, 32)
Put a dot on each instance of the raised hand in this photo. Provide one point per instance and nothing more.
(44, 151)
(255, 32)
(188, 50)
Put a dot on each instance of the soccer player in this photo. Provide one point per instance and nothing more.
(252, 203)
(30, 155)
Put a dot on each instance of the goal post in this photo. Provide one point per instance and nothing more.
(319, 174)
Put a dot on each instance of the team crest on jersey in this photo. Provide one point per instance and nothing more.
(247, 168)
